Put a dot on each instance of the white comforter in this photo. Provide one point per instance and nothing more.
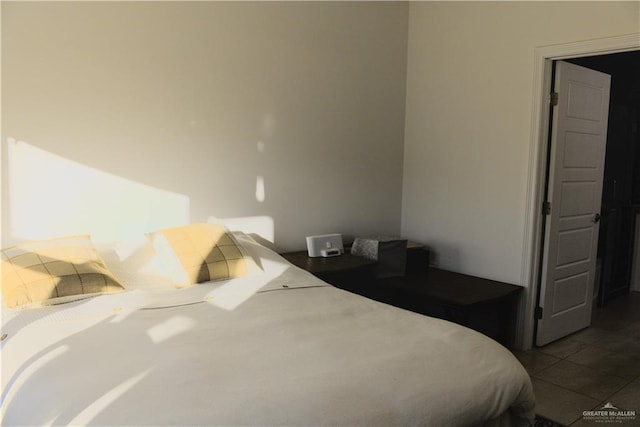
(279, 348)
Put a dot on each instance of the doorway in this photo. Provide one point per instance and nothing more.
(543, 59)
(608, 265)
(621, 187)
(575, 171)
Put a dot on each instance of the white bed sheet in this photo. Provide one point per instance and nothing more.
(281, 348)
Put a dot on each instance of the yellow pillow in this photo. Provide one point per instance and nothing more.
(200, 253)
(54, 271)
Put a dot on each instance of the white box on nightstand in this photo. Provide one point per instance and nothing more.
(325, 245)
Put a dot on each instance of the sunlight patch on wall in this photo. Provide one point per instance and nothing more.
(52, 196)
(260, 192)
(260, 196)
(261, 225)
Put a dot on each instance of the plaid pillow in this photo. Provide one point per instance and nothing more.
(54, 271)
(200, 253)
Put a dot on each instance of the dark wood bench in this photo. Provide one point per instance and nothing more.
(487, 306)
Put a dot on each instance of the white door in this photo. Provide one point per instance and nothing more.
(576, 167)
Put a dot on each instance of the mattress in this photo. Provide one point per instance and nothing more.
(276, 348)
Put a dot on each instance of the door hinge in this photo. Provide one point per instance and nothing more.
(546, 208)
(553, 98)
(538, 313)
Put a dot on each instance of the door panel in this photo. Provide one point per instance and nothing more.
(576, 167)
(585, 101)
(579, 200)
(580, 150)
(574, 246)
(570, 292)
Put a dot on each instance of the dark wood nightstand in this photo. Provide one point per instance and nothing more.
(345, 271)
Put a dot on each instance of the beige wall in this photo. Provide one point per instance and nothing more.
(468, 121)
(121, 117)
(132, 116)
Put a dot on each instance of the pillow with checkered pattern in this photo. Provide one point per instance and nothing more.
(54, 271)
(200, 253)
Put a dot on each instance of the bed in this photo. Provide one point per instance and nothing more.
(275, 347)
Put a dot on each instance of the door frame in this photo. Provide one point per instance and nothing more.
(536, 171)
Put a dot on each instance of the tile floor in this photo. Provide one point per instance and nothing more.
(594, 366)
